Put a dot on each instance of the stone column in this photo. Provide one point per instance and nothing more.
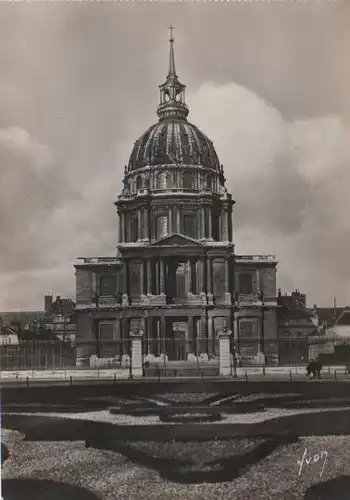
(220, 226)
(225, 226)
(125, 299)
(201, 275)
(203, 336)
(120, 229)
(142, 279)
(211, 338)
(147, 224)
(163, 333)
(170, 221)
(136, 353)
(161, 277)
(198, 277)
(93, 289)
(189, 276)
(124, 336)
(148, 335)
(117, 332)
(139, 225)
(128, 232)
(189, 347)
(210, 224)
(229, 226)
(202, 219)
(209, 281)
(143, 227)
(225, 366)
(227, 283)
(178, 224)
(149, 277)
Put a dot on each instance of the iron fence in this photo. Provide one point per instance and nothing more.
(57, 354)
(51, 355)
(36, 355)
(292, 351)
(180, 349)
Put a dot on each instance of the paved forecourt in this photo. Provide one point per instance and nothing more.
(295, 373)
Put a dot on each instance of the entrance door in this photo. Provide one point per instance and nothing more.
(180, 275)
(179, 335)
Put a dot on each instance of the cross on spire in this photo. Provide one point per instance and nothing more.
(172, 70)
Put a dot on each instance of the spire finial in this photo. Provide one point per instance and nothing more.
(172, 92)
(172, 71)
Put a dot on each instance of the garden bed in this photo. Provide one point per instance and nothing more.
(109, 475)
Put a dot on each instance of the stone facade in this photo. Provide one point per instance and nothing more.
(176, 277)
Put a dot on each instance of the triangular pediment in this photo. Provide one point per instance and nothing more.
(176, 239)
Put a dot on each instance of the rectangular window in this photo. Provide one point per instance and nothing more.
(190, 226)
(216, 227)
(246, 283)
(106, 332)
(108, 286)
(248, 333)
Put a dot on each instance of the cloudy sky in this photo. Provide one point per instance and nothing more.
(267, 82)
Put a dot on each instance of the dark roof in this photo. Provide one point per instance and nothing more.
(22, 317)
(173, 141)
(299, 312)
(344, 319)
(329, 314)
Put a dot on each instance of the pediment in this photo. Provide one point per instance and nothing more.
(176, 240)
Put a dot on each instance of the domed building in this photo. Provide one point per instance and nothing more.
(176, 278)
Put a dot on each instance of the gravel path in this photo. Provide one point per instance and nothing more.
(252, 418)
(111, 476)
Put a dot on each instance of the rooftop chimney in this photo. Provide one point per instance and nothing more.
(48, 304)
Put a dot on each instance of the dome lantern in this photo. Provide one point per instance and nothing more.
(172, 92)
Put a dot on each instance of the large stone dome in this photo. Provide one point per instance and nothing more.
(173, 141)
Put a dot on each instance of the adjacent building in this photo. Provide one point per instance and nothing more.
(58, 318)
(176, 277)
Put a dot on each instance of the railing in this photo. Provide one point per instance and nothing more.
(256, 257)
(55, 354)
(255, 299)
(178, 348)
(113, 354)
(99, 260)
(31, 355)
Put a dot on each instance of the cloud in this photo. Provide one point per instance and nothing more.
(290, 180)
(48, 221)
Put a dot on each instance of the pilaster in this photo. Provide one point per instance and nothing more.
(136, 353)
(149, 276)
(225, 368)
(178, 223)
(189, 347)
(170, 220)
(209, 281)
(202, 221)
(210, 223)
